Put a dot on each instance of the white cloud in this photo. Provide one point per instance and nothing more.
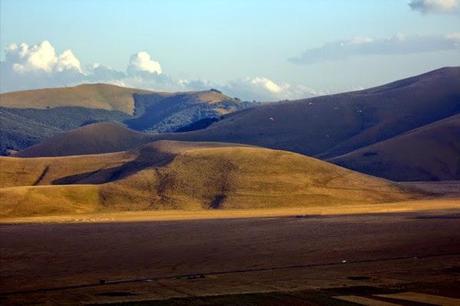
(36, 66)
(40, 58)
(68, 61)
(39, 66)
(142, 62)
(434, 6)
(365, 46)
(264, 89)
(267, 84)
(101, 73)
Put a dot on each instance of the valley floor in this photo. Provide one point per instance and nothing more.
(447, 203)
(324, 257)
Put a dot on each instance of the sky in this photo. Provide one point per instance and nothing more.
(253, 49)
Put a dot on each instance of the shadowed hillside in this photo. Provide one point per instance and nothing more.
(90, 139)
(21, 128)
(50, 111)
(167, 113)
(176, 175)
(334, 125)
(431, 152)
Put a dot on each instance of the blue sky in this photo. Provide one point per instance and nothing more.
(239, 46)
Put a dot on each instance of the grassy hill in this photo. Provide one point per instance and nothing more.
(182, 175)
(167, 113)
(21, 128)
(90, 139)
(333, 125)
(50, 111)
(15, 134)
(99, 96)
(431, 152)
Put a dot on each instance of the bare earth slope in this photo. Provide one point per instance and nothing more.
(431, 152)
(177, 175)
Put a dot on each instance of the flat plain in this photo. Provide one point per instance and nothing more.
(245, 259)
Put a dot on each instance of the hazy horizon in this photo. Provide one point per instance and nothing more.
(262, 50)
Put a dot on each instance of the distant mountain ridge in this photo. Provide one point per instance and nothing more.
(333, 125)
(329, 127)
(50, 111)
(159, 113)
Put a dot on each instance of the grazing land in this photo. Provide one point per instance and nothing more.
(300, 259)
(168, 175)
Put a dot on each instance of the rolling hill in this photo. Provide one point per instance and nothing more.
(182, 175)
(50, 111)
(98, 96)
(15, 134)
(90, 139)
(431, 152)
(332, 126)
(160, 113)
(21, 128)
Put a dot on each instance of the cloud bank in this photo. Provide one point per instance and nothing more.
(366, 46)
(40, 66)
(434, 6)
(141, 62)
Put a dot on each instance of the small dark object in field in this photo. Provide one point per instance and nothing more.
(359, 277)
(116, 293)
(191, 276)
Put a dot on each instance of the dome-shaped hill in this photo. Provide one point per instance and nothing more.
(167, 113)
(182, 175)
(90, 139)
(333, 125)
(100, 96)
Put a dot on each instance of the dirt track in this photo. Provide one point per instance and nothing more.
(225, 256)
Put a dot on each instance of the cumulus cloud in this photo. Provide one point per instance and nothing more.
(364, 46)
(35, 66)
(264, 89)
(434, 6)
(39, 66)
(41, 57)
(67, 61)
(142, 63)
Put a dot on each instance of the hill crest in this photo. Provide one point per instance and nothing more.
(183, 175)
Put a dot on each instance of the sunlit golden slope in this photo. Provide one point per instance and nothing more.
(103, 96)
(182, 175)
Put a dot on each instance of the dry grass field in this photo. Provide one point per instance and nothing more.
(102, 96)
(186, 176)
(179, 223)
(297, 259)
